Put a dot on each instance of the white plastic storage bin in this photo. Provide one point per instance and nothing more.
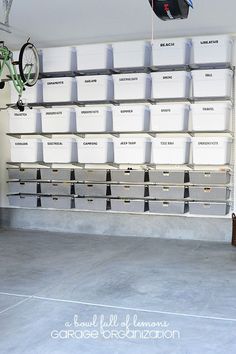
(59, 59)
(212, 83)
(94, 119)
(27, 150)
(30, 95)
(171, 51)
(59, 150)
(24, 122)
(60, 89)
(211, 116)
(171, 84)
(132, 86)
(130, 118)
(211, 150)
(212, 49)
(131, 54)
(95, 150)
(132, 150)
(94, 88)
(60, 120)
(169, 117)
(170, 151)
(94, 57)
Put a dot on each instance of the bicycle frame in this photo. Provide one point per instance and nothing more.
(5, 60)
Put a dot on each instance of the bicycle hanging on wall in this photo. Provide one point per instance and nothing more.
(23, 72)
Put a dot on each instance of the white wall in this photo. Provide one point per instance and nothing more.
(4, 145)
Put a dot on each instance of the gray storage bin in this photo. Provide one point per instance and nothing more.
(55, 174)
(167, 192)
(127, 191)
(131, 176)
(96, 204)
(156, 176)
(56, 188)
(209, 177)
(23, 187)
(56, 202)
(164, 207)
(132, 206)
(23, 173)
(209, 193)
(23, 201)
(219, 209)
(91, 190)
(87, 175)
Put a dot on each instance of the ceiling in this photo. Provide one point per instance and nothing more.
(66, 22)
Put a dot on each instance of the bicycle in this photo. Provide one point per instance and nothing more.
(28, 65)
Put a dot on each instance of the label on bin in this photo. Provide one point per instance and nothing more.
(167, 44)
(207, 109)
(54, 113)
(208, 143)
(55, 83)
(128, 143)
(20, 114)
(90, 112)
(205, 42)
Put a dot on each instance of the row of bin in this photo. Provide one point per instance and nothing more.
(207, 150)
(120, 205)
(134, 86)
(119, 176)
(216, 193)
(162, 52)
(211, 116)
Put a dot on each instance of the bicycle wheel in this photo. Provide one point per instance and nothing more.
(29, 64)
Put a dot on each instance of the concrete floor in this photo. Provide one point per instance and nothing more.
(188, 288)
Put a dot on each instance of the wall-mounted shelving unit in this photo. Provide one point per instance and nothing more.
(146, 167)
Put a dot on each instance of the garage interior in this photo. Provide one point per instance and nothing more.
(76, 281)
